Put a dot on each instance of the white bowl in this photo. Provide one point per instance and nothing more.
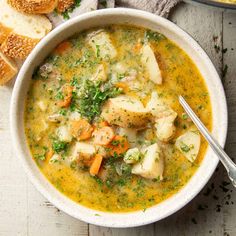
(183, 40)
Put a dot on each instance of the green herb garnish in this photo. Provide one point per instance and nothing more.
(150, 35)
(41, 157)
(59, 146)
(184, 147)
(92, 96)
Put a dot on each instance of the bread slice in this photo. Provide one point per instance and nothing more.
(8, 69)
(4, 32)
(18, 46)
(34, 6)
(63, 5)
(26, 31)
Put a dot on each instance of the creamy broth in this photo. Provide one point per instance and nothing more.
(57, 102)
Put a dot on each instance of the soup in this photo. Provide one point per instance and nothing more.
(103, 121)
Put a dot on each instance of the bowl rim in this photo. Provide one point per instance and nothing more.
(116, 220)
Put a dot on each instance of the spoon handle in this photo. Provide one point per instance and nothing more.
(224, 158)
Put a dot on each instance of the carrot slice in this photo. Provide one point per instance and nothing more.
(67, 92)
(123, 86)
(81, 129)
(119, 145)
(94, 169)
(62, 47)
(101, 124)
(137, 47)
(49, 154)
(103, 136)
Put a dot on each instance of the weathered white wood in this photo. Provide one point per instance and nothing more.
(147, 230)
(13, 188)
(45, 219)
(204, 25)
(23, 211)
(229, 59)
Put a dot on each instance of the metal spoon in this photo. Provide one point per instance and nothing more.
(224, 158)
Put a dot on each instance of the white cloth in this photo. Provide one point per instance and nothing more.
(159, 7)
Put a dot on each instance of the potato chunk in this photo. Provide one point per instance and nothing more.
(165, 128)
(101, 43)
(131, 135)
(152, 165)
(82, 150)
(164, 118)
(126, 112)
(100, 74)
(189, 144)
(132, 156)
(148, 59)
(64, 134)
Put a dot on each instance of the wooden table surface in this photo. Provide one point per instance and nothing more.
(24, 211)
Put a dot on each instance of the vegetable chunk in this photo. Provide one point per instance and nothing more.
(82, 150)
(118, 146)
(189, 144)
(101, 43)
(152, 165)
(132, 156)
(103, 136)
(100, 74)
(131, 135)
(94, 169)
(148, 59)
(64, 134)
(81, 129)
(164, 118)
(126, 112)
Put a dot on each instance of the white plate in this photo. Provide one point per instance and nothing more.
(100, 18)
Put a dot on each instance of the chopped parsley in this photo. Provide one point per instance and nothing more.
(59, 146)
(184, 116)
(97, 50)
(59, 96)
(150, 35)
(98, 180)
(63, 112)
(41, 157)
(92, 96)
(184, 147)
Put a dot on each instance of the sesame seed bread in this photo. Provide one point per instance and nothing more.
(63, 5)
(21, 31)
(8, 69)
(18, 46)
(4, 32)
(34, 6)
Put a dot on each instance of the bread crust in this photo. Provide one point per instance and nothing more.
(34, 6)
(4, 32)
(8, 69)
(63, 5)
(18, 46)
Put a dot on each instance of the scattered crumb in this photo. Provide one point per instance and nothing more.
(194, 221)
(224, 50)
(224, 71)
